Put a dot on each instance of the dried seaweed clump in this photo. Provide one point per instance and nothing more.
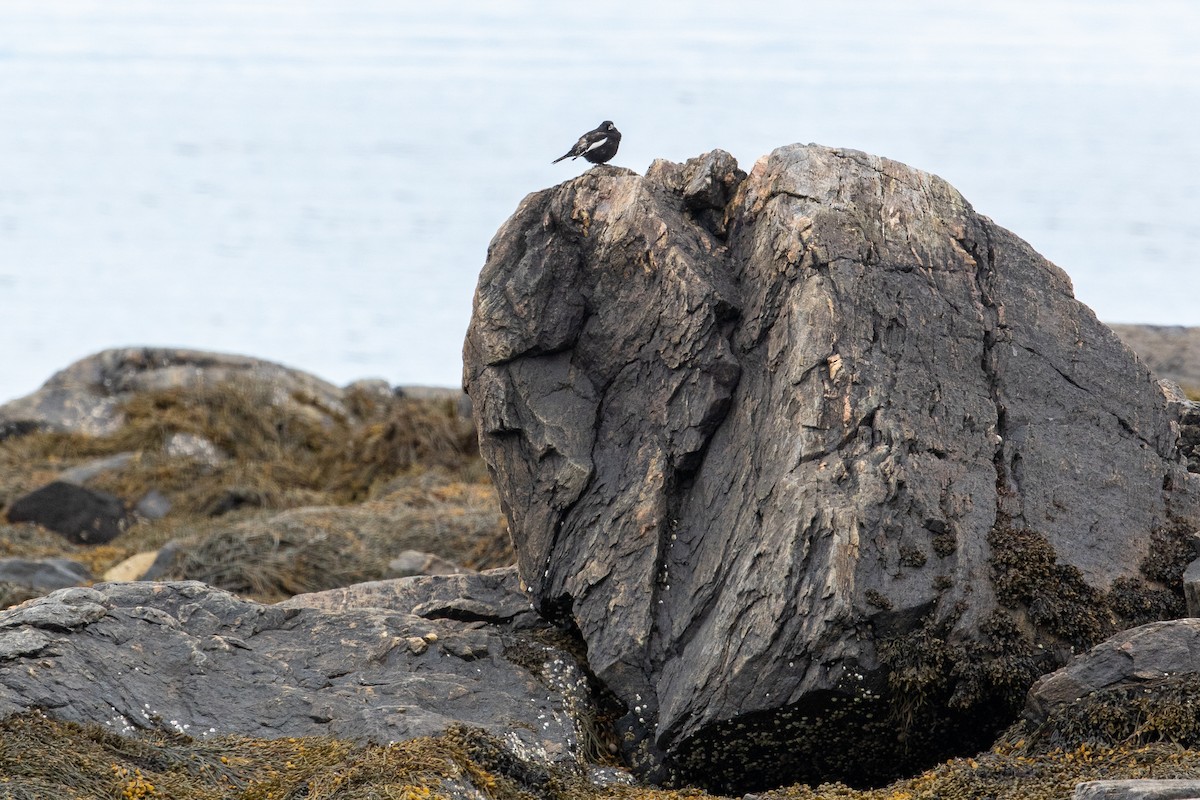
(1164, 710)
(41, 758)
(311, 549)
(1171, 550)
(255, 449)
(1008, 772)
(271, 563)
(275, 451)
(399, 435)
(1026, 575)
(1158, 593)
(246, 420)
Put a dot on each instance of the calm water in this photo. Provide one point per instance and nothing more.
(316, 181)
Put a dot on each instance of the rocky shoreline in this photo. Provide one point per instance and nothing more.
(765, 544)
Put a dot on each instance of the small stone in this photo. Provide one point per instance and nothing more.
(415, 562)
(194, 447)
(153, 505)
(44, 574)
(132, 568)
(83, 473)
(82, 515)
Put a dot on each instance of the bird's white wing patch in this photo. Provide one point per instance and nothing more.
(595, 144)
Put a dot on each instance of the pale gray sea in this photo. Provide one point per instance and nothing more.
(316, 181)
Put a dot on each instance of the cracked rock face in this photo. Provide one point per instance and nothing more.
(763, 437)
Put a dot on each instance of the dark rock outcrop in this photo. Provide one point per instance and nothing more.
(825, 466)
(80, 514)
(380, 663)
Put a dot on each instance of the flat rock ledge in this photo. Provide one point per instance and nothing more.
(381, 662)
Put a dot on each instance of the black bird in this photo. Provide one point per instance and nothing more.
(596, 146)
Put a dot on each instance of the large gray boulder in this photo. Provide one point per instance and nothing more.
(817, 456)
(380, 662)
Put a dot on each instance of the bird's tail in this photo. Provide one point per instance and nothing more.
(560, 158)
